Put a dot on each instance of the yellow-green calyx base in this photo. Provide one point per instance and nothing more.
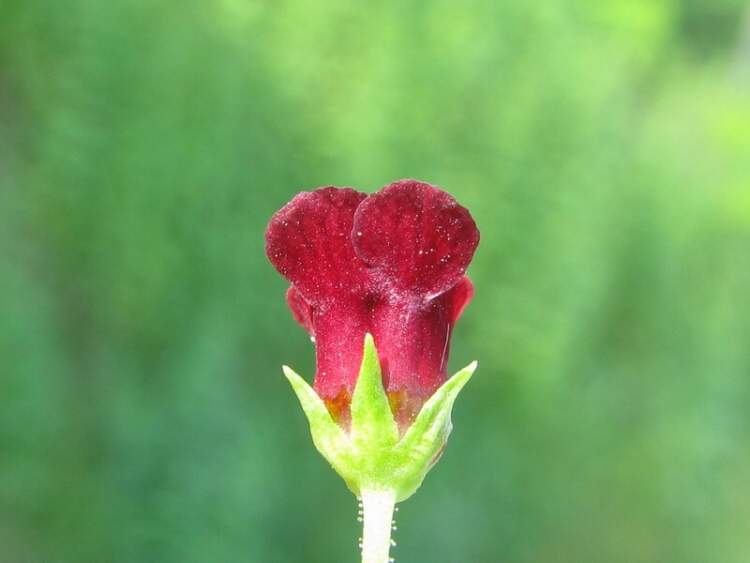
(372, 456)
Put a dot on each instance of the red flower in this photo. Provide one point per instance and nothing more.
(391, 264)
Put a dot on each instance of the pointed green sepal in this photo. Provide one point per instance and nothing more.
(425, 439)
(373, 426)
(371, 456)
(329, 438)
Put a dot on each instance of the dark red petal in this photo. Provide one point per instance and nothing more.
(412, 338)
(413, 341)
(301, 309)
(340, 328)
(309, 243)
(418, 237)
(458, 297)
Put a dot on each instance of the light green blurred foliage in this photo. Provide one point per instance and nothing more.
(604, 149)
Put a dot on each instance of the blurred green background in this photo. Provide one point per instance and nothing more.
(604, 150)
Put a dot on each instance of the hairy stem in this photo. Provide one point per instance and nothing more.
(377, 509)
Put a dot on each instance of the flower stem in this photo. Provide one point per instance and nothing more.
(377, 509)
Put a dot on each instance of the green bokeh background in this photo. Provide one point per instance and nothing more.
(604, 150)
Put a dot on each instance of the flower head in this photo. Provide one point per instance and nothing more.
(391, 264)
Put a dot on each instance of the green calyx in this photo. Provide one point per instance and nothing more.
(372, 456)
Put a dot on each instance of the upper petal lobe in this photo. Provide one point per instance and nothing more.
(309, 243)
(417, 236)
